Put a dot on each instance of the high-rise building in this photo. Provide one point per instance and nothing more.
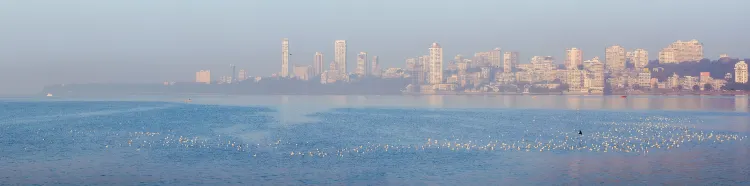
(481, 59)
(375, 66)
(495, 58)
(362, 64)
(682, 51)
(415, 68)
(639, 58)
(203, 76)
(340, 55)
(574, 57)
(318, 64)
(510, 60)
(424, 63)
(614, 58)
(594, 70)
(436, 64)
(740, 72)
(284, 58)
(234, 73)
(242, 76)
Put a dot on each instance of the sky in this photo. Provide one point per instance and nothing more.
(46, 42)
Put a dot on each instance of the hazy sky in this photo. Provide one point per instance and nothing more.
(135, 41)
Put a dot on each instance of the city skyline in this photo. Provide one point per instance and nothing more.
(615, 57)
(106, 42)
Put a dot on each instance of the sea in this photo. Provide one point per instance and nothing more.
(375, 140)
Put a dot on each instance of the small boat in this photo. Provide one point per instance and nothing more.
(49, 94)
(624, 96)
(188, 100)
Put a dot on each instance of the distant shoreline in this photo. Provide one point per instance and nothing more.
(403, 94)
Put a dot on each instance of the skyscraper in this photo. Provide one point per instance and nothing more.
(318, 64)
(362, 64)
(242, 75)
(234, 73)
(495, 58)
(639, 58)
(614, 57)
(340, 55)
(510, 59)
(436, 64)
(284, 58)
(740, 72)
(375, 66)
(424, 63)
(574, 57)
(415, 69)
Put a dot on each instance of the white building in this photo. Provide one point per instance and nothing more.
(614, 57)
(510, 59)
(682, 51)
(203, 76)
(362, 65)
(644, 79)
(340, 55)
(436, 64)
(495, 58)
(318, 67)
(242, 76)
(595, 73)
(574, 57)
(639, 58)
(375, 67)
(284, 58)
(740, 72)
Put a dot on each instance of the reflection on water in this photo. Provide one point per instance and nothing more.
(435, 101)
(685, 103)
(379, 140)
(740, 103)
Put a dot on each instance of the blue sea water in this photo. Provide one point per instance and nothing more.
(355, 140)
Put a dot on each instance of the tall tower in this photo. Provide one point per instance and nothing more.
(318, 64)
(436, 64)
(740, 72)
(242, 76)
(424, 62)
(510, 60)
(340, 55)
(234, 72)
(285, 58)
(375, 66)
(614, 58)
(362, 69)
(574, 57)
(495, 58)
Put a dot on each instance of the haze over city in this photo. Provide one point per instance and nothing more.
(87, 41)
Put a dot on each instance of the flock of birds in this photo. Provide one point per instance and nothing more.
(639, 138)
